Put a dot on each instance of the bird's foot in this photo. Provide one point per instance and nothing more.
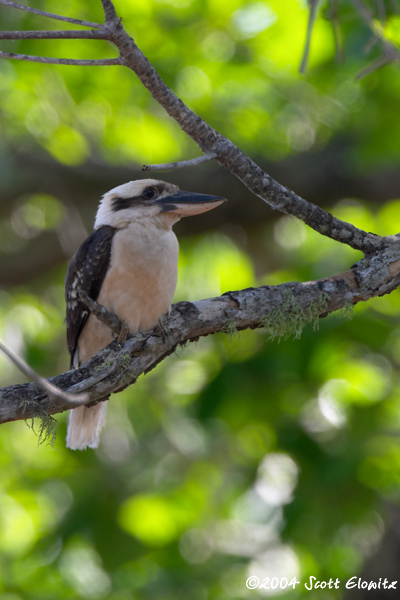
(123, 334)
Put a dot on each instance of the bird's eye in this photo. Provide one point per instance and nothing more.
(149, 193)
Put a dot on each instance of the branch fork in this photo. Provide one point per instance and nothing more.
(98, 32)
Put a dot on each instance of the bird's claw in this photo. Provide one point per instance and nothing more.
(162, 331)
(123, 335)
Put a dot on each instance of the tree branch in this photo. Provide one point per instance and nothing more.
(110, 13)
(381, 61)
(310, 26)
(212, 142)
(390, 51)
(104, 62)
(231, 157)
(193, 162)
(43, 13)
(100, 34)
(43, 384)
(337, 32)
(281, 309)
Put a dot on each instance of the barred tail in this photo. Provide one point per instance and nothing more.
(85, 425)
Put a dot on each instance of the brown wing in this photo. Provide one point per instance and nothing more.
(86, 272)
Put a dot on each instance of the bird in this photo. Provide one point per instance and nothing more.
(128, 265)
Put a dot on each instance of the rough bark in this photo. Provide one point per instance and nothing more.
(282, 310)
(230, 156)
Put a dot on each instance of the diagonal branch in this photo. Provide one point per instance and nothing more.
(43, 13)
(231, 157)
(390, 51)
(282, 310)
(43, 384)
(212, 142)
(380, 62)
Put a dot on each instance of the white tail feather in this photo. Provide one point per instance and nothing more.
(85, 425)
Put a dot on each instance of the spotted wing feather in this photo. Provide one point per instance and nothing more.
(86, 272)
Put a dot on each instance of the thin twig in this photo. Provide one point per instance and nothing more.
(365, 13)
(43, 13)
(101, 34)
(372, 42)
(311, 21)
(380, 62)
(391, 51)
(192, 162)
(104, 62)
(100, 311)
(337, 31)
(381, 11)
(44, 384)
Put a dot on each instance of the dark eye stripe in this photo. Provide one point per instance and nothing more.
(148, 194)
(122, 203)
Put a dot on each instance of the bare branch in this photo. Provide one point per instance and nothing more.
(109, 11)
(390, 51)
(310, 26)
(372, 42)
(366, 15)
(102, 314)
(45, 385)
(181, 163)
(380, 62)
(104, 62)
(282, 310)
(43, 13)
(212, 142)
(101, 34)
(232, 158)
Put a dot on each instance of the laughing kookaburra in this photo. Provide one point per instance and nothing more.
(129, 265)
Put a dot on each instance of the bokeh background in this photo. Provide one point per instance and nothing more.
(240, 455)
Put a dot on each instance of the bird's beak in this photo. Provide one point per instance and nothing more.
(186, 204)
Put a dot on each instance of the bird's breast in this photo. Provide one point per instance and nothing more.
(140, 283)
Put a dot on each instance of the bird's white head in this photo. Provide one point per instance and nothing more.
(150, 198)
